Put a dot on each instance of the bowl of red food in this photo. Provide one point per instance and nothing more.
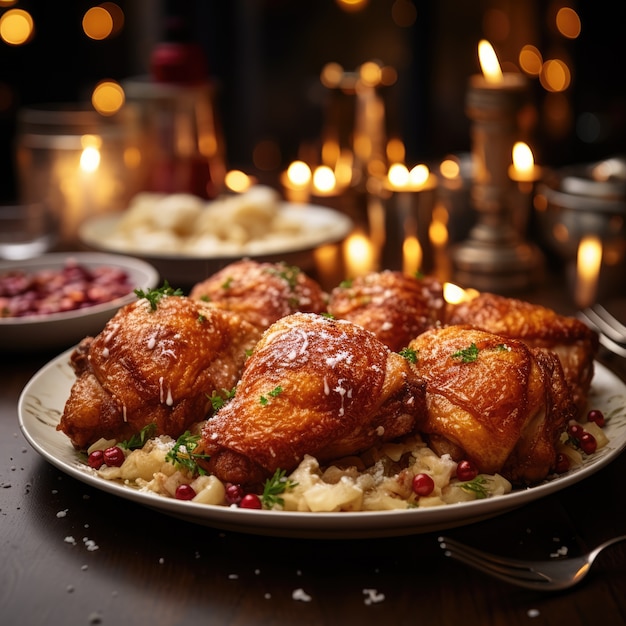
(55, 300)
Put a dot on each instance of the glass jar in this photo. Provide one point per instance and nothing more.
(80, 163)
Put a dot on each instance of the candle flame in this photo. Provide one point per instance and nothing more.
(411, 255)
(299, 174)
(588, 262)
(523, 159)
(358, 255)
(237, 181)
(90, 159)
(398, 175)
(419, 174)
(324, 179)
(454, 294)
(489, 62)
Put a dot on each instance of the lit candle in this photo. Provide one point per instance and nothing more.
(296, 181)
(324, 181)
(411, 255)
(523, 168)
(588, 262)
(494, 257)
(358, 255)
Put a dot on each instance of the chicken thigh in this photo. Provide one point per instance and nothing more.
(316, 386)
(154, 362)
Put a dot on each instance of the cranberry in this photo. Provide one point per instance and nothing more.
(465, 471)
(575, 430)
(234, 493)
(423, 484)
(185, 492)
(114, 456)
(588, 443)
(96, 459)
(562, 463)
(251, 501)
(596, 416)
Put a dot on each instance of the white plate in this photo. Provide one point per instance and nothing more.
(61, 330)
(41, 405)
(320, 225)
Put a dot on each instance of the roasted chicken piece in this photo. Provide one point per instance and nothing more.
(316, 386)
(492, 400)
(394, 306)
(261, 293)
(156, 361)
(574, 343)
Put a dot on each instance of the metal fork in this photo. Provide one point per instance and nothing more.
(611, 331)
(548, 575)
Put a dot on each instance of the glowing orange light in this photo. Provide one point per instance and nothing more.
(16, 27)
(108, 97)
(489, 63)
(588, 262)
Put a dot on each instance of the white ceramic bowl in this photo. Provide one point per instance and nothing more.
(63, 330)
(321, 225)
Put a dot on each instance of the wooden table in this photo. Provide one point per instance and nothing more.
(74, 555)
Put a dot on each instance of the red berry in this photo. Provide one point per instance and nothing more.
(251, 501)
(465, 471)
(185, 492)
(596, 416)
(423, 484)
(588, 443)
(114, 456)
(96, 459)
(234, 493)
(575, 430)
(562, 463)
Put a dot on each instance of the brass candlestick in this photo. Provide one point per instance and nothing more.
(495, 257)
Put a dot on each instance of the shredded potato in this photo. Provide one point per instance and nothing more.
(379, 479)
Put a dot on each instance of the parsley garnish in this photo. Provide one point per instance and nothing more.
(227, 283)
(138, 440)
(153, 296)
(289, 274)
(182, 454)
(476, 486)
(346, 284)
(273, 488)
(409, 354)
(275, 392)
(219, 400)
(467, 355)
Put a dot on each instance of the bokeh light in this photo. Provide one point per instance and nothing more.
(568, 22)
(16, 27)
(108, 97)
(97, 23)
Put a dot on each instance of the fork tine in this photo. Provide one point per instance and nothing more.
(509, 570)
(457, 547)
(533, 581)
(610, 319)
(597, 324)
(606, 323)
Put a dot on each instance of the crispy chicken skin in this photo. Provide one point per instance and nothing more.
(574, 343)
(261, 293)
(154, 365)
(493, 401)
(396, 307)
(313, 385)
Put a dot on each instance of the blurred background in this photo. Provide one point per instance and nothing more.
(265, 58)
(254, 86)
